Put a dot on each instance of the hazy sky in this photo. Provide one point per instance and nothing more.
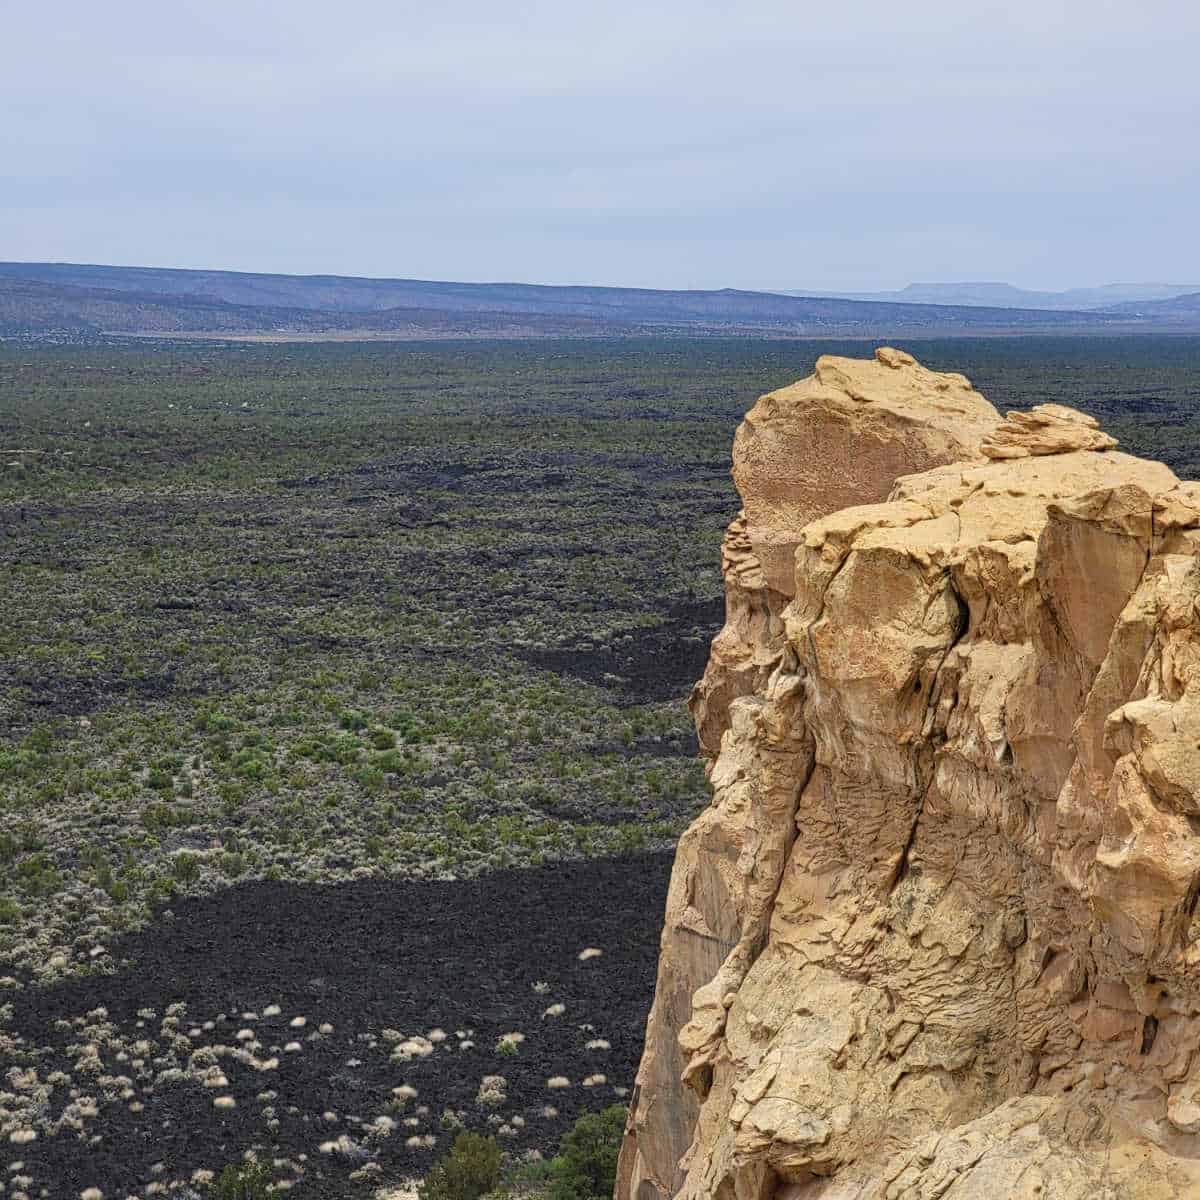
(843, 145)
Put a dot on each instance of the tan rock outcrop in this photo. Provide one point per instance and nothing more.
(839, 437)
(1045, 429)
(941, 911)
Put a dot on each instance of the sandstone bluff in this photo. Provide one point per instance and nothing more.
(935, 936)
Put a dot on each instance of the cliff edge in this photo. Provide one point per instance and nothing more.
(935, 935)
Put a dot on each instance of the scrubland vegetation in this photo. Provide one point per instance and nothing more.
(320, 621)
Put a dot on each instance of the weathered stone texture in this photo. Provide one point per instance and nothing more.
(935, 935)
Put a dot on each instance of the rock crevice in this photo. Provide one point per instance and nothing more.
(935, 934)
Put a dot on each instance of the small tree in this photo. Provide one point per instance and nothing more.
(470, 1169)
(245, 1182)
(585, 1167)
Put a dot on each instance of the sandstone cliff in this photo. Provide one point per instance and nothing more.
(840, 437)
(935, 936)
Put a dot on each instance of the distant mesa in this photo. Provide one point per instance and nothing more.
(1005, 295)
(61, 299)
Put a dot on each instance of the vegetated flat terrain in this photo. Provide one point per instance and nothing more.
(288, 630)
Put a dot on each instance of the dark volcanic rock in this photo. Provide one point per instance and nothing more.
(649, 664)
(363, 956)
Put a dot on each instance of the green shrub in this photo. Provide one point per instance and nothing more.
(346, 748)
(247, 1181)
(38, 876)
(470, 1169)
(370, 779)
(250, 763)
(585, 1167)
(216, 722)
(314, 748)
(185, 867)
(16, 762)
(232, 864)
(391, 761)
(162, 888)
(158, 816)
(40, 739)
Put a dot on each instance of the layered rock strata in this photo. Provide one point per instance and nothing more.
(937, 928)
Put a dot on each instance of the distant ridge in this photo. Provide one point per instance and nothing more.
(50, 298)
(1004, 295)
(1184, 308)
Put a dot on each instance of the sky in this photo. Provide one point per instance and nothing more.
(847, 146)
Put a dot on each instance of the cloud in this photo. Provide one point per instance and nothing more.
(765, 144)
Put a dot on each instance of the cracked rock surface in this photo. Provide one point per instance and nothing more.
(935, 936)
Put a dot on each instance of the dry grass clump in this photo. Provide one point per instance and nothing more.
(493, 1091)
(509, 1043)
(410, 1048)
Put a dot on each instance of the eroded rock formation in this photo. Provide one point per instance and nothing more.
(840, 437)
(935, 935)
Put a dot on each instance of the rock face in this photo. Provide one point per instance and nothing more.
(840, 437)
(936, 934)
